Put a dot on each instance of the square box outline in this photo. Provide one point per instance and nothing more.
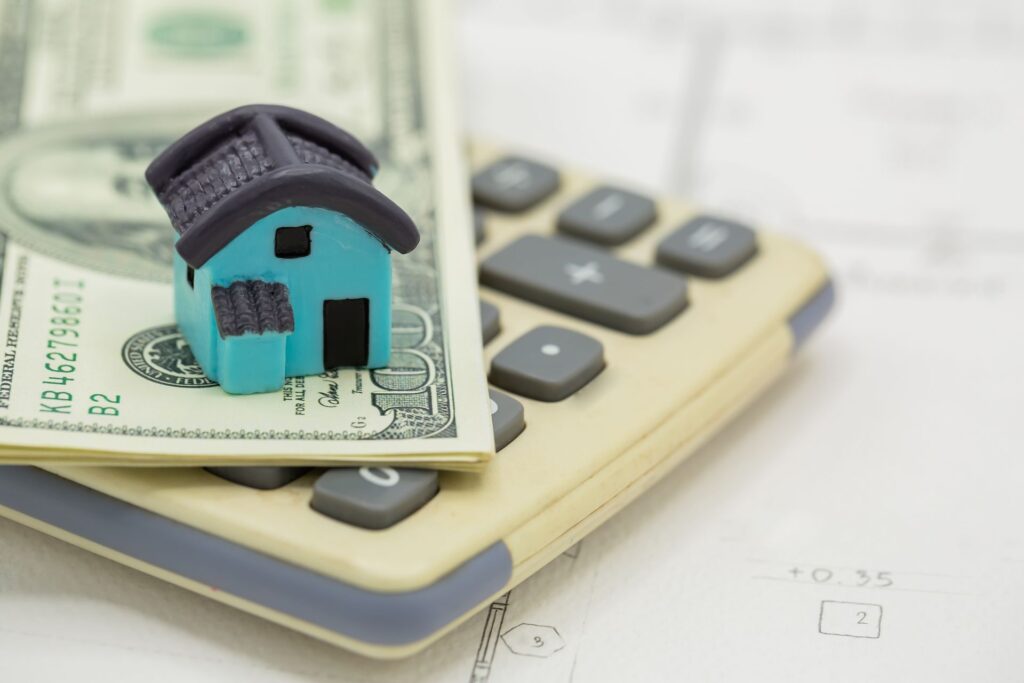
(821, 616)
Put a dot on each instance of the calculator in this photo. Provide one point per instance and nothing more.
(620, 331)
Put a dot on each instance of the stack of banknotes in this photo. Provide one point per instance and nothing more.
(94, 369)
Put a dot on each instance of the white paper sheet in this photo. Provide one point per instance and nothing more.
(863, 521)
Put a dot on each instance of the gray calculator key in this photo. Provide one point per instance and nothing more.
(479, 228)
(608, 215)
(708, 247)
(548, 363)
(587, 282)
(268, 477)
(507, 418)
(373, 497)
(514, 184)
(490, 321)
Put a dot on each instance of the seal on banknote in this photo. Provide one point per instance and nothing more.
(161, 355)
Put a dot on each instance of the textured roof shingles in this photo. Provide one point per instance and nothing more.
(237, 161)
(225, 174)
(252, 306)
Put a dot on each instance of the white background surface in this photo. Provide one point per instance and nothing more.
(890, 135)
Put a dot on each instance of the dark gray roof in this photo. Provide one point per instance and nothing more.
(252, 306)
(229, 172)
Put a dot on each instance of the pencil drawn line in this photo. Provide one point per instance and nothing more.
(489, 640)
(699, 84)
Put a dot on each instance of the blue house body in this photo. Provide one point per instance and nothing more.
(283, 263)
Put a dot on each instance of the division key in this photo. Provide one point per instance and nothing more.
(586, 282)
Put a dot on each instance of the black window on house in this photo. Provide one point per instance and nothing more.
(190, 275)
(292, 242)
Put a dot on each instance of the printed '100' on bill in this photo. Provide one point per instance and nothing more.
(93, 367)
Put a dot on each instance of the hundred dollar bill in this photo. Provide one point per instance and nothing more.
(93, 368)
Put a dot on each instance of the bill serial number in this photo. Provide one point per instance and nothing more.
(60, 361)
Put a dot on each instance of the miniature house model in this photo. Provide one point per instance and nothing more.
(283, 263)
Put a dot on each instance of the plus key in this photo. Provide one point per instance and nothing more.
(586, 282)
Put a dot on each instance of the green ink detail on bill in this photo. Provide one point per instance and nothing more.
(336, 5)
(198, 34)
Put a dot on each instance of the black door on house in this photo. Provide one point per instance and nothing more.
(346, 332)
